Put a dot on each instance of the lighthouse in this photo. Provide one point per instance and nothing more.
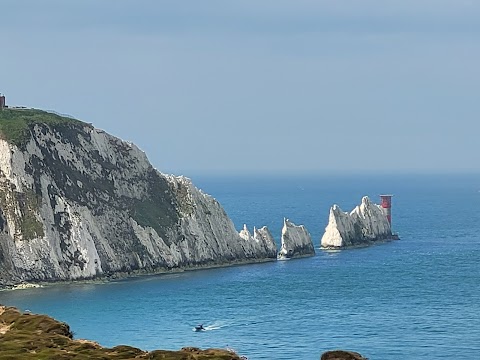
(386, 204)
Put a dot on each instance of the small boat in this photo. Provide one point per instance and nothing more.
(199, 328)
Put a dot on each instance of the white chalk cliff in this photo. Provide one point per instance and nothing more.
(296, 241)
(78, 203)
(364, 224)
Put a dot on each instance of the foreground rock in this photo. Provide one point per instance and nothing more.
(342, 355)
(29, 336)
(296, 241)
(363, 225)
(78, 203)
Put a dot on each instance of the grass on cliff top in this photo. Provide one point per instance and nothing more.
(31, 336)
(15, 123)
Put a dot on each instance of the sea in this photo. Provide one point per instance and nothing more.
(411, 299)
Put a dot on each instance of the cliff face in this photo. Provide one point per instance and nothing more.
(296, 241)
(364, 224)
(76, 202)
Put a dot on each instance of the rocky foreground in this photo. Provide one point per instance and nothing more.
(32, 336)
(29, 336)
(342, 355)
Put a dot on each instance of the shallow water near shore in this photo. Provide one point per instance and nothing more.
(415, 298)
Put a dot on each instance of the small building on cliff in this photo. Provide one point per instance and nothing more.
(2, 102)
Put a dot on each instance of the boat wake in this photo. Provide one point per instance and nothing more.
(209, 327)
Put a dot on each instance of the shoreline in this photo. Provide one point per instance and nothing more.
(360, 246)
(118, 276)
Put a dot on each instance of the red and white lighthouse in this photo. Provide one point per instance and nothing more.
(386, 204)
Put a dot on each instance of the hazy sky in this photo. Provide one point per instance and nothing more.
(258, 86)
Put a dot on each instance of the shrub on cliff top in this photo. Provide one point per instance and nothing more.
(30, 336)
(15, 123)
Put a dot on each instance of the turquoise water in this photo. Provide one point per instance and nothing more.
(417, 298)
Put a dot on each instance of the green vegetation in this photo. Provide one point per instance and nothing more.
(15, 123)
(28, 203)
(158, 210)
(30, 336)
(148, 213)
(31, 227)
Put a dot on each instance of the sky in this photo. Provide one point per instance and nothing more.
(258, 86)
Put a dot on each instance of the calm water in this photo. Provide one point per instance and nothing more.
(417, 298)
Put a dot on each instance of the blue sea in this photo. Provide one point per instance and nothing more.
(411, 299)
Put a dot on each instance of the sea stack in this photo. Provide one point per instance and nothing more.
(261, 242)
(78, 203)
(365, 224)
(296, 241)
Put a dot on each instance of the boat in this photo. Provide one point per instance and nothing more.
(199, 328)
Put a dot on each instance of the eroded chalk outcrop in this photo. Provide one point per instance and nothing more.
(78, 203)
(296, 241)
(363, 225)
(261, 242)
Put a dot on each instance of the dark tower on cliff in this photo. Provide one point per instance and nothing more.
(2, 101)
